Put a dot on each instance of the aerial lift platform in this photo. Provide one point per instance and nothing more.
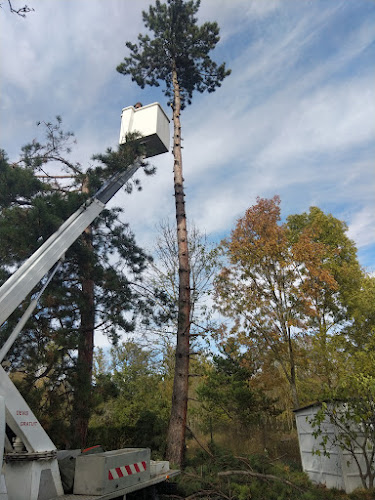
(31, 469)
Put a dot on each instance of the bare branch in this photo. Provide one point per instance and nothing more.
(20, 12)
(200, 444)
(258, 475)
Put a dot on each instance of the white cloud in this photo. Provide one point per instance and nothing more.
(267, 98)
(336, 117)
(361, 227)
(235, 15)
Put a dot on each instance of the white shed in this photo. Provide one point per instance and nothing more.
(339, 470)
(151, 122)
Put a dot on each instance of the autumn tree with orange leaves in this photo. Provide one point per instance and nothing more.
(282, 283)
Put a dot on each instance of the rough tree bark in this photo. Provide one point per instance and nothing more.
(83, 380)
(177, 424)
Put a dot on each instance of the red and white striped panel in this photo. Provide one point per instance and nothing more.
(126, 470)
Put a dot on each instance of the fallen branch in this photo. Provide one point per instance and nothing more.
(204, 493)
(173, 496)
(245, 461)
(258, 475)
(200, 444)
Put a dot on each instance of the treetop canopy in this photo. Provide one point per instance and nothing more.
(179, 45)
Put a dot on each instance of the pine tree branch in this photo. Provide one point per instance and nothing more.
(47, 176)
(263, 477)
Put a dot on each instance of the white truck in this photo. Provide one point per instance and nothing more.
(31, 462)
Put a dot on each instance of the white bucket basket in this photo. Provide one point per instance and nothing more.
(151, 122)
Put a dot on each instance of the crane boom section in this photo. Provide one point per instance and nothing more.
(20, 284)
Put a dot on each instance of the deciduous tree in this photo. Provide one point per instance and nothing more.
(133, 398)
(162, 284)
(332, 307)
(282, 280)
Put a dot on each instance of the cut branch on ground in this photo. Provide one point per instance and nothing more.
(262, 477)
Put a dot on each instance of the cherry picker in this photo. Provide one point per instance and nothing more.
(31, 467)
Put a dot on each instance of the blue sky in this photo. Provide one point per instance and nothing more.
(296, 117)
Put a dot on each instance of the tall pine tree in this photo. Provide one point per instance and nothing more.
(178, 56)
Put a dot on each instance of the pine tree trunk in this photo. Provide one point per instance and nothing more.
(177, 423)
(83, 386)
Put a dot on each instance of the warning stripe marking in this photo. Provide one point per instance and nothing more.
(126, 470)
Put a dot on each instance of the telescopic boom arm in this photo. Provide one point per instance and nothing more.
(20, 284)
